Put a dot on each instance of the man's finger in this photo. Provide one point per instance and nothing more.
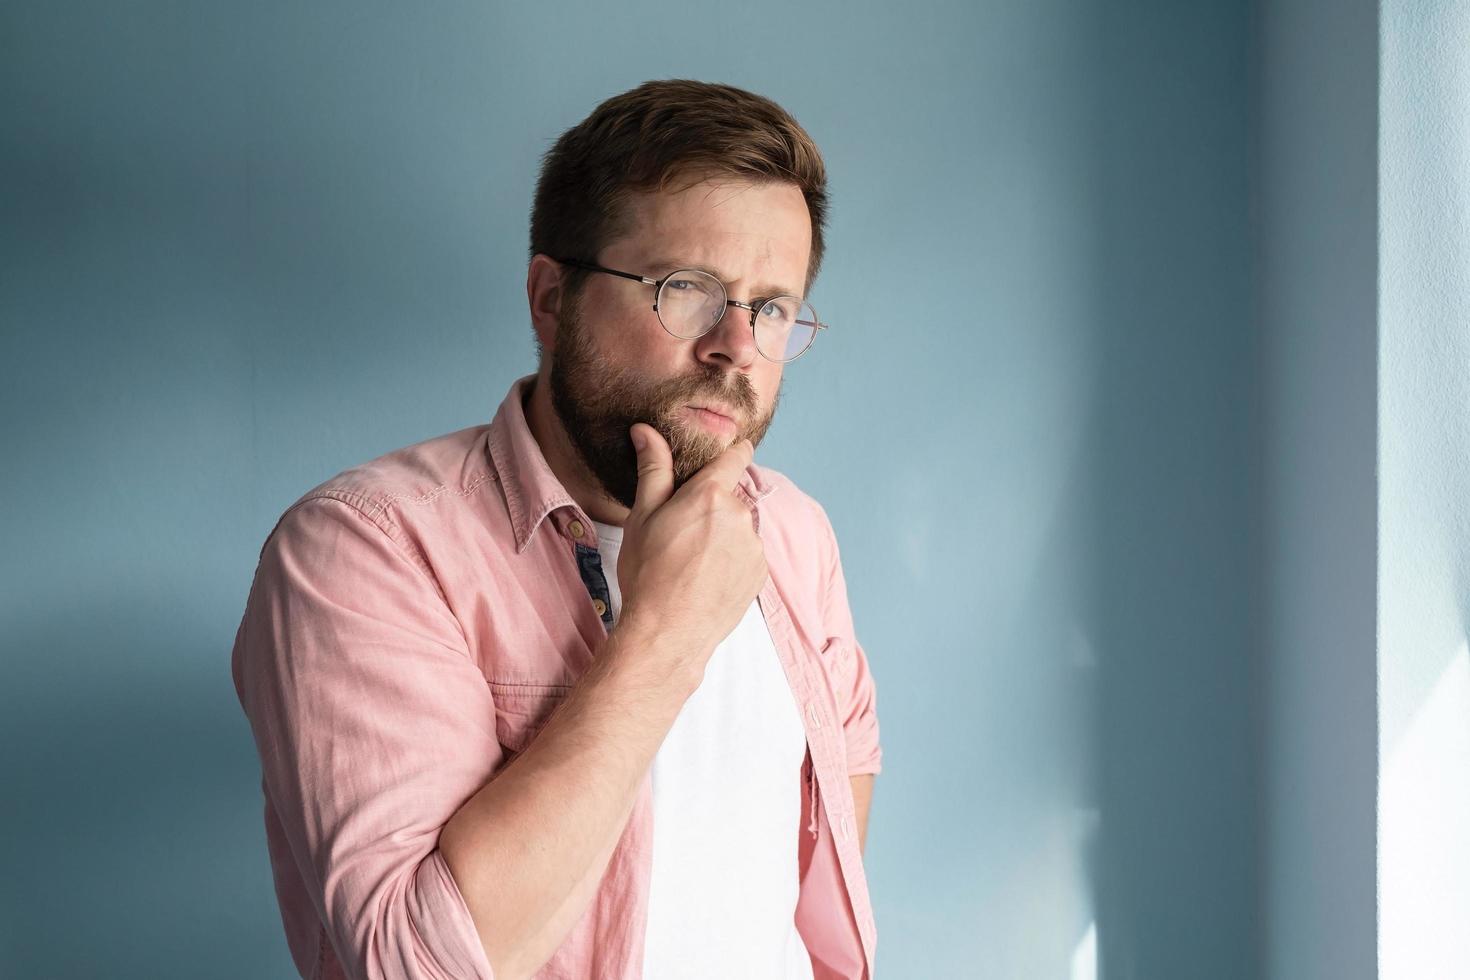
(728, 468)
(655, 469)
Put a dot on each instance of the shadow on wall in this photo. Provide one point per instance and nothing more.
(1173, 502)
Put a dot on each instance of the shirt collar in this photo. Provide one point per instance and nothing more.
(531, 489)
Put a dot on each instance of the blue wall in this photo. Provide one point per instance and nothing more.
(246, 246)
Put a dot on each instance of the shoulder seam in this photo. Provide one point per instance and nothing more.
(353, 501)
(381, 504)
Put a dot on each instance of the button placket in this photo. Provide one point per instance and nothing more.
(825, 757)
(589, 565)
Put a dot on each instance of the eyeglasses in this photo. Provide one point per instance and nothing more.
(690, 302)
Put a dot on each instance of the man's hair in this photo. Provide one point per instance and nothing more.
(647, 138)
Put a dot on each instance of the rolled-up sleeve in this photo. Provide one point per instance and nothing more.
(374, 725)
(857, 695)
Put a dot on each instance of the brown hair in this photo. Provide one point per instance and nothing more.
(645, 138)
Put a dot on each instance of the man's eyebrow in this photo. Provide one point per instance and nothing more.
(660, 267)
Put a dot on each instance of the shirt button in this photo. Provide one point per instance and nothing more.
(599, 605)
(845, 829)
(811, 712)
(576, 528)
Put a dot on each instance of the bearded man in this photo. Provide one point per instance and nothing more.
(576, 693)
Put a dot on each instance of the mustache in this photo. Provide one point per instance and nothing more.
(738, 395)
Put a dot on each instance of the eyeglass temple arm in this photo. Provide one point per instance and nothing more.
(593, 267)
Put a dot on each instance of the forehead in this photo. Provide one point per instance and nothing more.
(723, 221)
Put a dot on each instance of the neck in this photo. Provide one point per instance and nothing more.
(561, 456)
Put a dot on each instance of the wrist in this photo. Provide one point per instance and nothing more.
(639, 645)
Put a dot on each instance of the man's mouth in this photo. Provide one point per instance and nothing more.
(719, 410)
(712, 420)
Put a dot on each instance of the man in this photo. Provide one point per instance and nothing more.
(576, 694)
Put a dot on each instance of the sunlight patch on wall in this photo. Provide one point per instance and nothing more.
(1084, 959)
(1423, 843)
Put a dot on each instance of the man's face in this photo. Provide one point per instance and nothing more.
(614, 364)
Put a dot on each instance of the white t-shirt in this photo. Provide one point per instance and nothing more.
(726, 814)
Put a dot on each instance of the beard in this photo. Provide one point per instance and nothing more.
(597, 404)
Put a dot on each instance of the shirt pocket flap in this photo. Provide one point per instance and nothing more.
(522, 710)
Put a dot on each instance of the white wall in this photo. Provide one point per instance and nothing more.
(1424, 490)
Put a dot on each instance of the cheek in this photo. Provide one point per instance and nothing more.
(629, 341)
(639, 330)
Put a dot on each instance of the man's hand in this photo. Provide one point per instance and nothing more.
(691, 561)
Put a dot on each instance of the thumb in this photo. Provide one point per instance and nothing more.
(655, 469)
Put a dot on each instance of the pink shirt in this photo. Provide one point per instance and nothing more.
(412, 623)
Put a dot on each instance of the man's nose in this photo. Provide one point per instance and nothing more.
(731, 338)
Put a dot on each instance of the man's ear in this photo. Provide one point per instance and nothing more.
(544, 296)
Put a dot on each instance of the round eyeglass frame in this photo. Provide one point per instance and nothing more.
(658, 287)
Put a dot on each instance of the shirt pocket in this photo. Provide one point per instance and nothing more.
(522, 710)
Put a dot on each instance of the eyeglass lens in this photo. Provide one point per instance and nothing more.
(691, 302)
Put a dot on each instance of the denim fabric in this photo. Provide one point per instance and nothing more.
(589, 564)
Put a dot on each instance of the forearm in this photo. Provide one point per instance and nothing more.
(862, 799)
(530, 848)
